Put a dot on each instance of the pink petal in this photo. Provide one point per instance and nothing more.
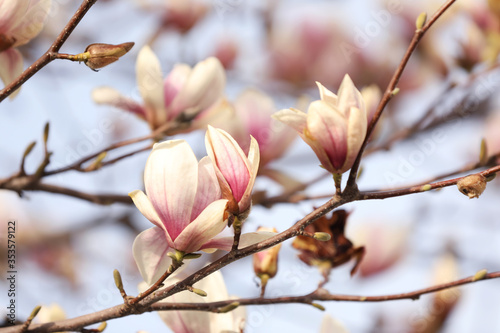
(195, 321)
(328, 127)
(150, 82)
(208, 187)
(110, 96)
(255, 110)
(231, 162)
(32, 21)
(143, 204)
(326, 95)
(203, 87)
(11, 13)
(11, 66)
(150, 248)
(349, 96)
(173, 84)
(293, 118)
(206, 226)
(171, 181)
(356, 133)
(329, 324)
(253, 158)
(372, 96)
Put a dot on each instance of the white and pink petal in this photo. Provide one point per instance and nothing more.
(205, 227)
(150, 253)
(171, 181)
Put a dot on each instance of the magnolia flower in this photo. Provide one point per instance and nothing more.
(20, 21)
(236, 172)
(385, 245)
(334, 127)
(185, 90)
(331, 325)
(202, 321)
(253, 112)
(183, 201)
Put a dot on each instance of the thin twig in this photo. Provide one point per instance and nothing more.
(389, 92)
(48, 56)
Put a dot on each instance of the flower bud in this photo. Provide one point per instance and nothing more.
(265, 263)
(472, 186)
(100, 55)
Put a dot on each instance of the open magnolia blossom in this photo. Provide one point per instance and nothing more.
(183, 200)
(236, 172)
(335, 126)
(20, 21)
(202, 321)
(185, 90)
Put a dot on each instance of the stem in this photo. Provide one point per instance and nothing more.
(389, 92)
(158, 284)
(337, 178)
(237, 223)
(51, 53)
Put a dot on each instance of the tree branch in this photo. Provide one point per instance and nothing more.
(389, 92)
(50, 55)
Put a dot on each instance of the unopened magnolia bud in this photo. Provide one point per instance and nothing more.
(421, 19)
(472, 186)
(99, 55)
(266, 262)
(322, 236)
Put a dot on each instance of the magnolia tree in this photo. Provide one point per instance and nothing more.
(398, 93)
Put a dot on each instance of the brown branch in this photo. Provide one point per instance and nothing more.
(50, 55)
(99, 199)
(420, 188)
(321, 295)
(389, 92)
(167, 129)
(318, 295)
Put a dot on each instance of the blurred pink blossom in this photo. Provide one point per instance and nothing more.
(20, 21)
(185, 90)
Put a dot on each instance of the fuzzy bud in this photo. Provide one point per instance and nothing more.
(100, 55)
(265, 263)
(421, 19)
(472, 186)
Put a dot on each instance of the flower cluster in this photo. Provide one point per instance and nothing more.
(188, 91)
(189, 201)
